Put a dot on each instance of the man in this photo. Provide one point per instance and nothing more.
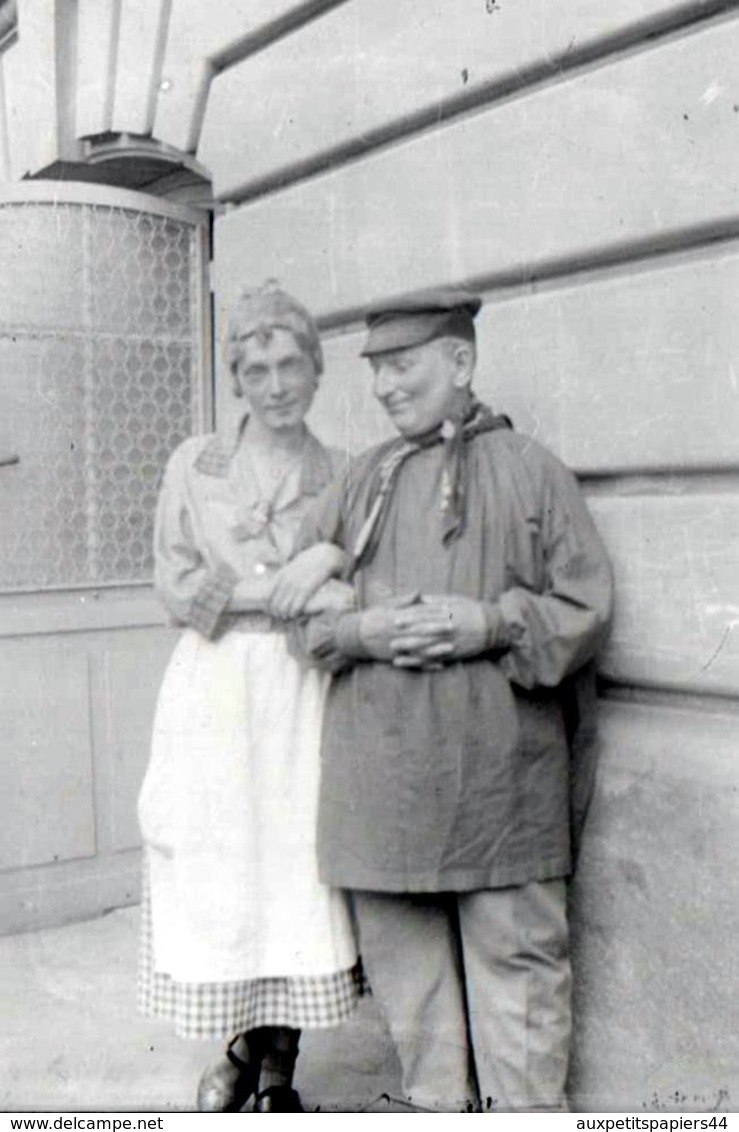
(481, 585)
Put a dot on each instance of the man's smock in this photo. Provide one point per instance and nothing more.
(457, 779)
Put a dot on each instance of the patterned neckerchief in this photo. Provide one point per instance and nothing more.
(454, 435)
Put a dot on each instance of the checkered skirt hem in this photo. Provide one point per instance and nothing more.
(212, 1011)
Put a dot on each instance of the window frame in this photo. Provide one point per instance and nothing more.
(14, 599)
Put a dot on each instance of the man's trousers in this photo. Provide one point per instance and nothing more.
(475, 989)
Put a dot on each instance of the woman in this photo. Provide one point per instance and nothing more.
(240, 936)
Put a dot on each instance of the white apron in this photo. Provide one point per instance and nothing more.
(228, 814)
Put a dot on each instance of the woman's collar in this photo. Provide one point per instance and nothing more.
(216, 456)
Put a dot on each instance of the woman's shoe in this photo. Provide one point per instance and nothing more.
(278, 1098)
(228, 1085)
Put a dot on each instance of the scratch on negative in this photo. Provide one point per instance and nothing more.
(718, 648)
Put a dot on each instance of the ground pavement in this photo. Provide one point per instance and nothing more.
(71, 1041)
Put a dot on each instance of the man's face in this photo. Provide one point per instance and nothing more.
(422, 385)
(277, 379)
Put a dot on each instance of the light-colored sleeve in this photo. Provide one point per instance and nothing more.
(193, 592)
(552, 633)
(316, 638)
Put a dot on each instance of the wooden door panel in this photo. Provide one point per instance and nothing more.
(133, 668)
(99, 382)
(46, 774)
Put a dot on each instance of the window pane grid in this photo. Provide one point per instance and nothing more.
(98, 319)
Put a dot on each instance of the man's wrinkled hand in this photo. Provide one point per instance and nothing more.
(379, 625)
(299, 580)
(444, 628)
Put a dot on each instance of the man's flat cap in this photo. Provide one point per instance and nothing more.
(419, 318)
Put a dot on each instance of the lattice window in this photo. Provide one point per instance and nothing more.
(99, 379)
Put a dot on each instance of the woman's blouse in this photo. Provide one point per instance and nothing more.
(217, 523)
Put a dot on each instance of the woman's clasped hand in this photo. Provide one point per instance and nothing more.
(300, 586)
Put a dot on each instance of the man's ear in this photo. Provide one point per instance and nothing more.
(464, 359)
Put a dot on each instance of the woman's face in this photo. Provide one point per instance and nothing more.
(277, 379)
